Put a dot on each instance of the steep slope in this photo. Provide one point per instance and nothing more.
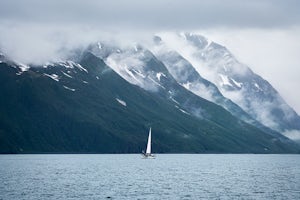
(236, 81)
(188, 77)
(185, 74)
(87, 107)
(139, 66)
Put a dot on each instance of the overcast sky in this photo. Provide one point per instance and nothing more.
(264, 34)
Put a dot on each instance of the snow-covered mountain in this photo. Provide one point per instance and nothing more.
(236, 81)
(134, 63)
(186, 75)
(195, 78)
(140, 67)
(160, 74)
(205, 68)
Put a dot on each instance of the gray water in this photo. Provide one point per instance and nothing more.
(173, 176)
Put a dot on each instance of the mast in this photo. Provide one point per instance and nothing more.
(148, 150)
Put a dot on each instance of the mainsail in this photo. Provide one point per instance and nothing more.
(148, 154)
(148, 150)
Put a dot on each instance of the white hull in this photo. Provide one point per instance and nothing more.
(151, 156)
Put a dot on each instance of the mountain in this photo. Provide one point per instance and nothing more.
(166, 73)
(237, 82)
(188, 77)
(105, 98)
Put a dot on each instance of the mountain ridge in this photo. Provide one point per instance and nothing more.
(84, 87)
(236, 81)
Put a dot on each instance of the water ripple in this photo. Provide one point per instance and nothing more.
(166, 177)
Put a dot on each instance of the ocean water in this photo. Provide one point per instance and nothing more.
(128, 176)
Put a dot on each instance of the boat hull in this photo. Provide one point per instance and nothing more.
(151, 156)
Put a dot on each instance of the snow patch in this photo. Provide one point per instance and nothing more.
(224, 80)
(237, 83)
(23, 67)
(66, 65)
(120, 66)
(257, 86)
(174, 100)
(53, 76)
(131, 74)
(71, 89)
(209, 42)
(158, 75)
(67, 75)
(182, 110)
(99, 45)
(132, 67)
(156, 83)
(123, 103)
(138, 72)
(187, 85)
(80, 67)
(70, 65)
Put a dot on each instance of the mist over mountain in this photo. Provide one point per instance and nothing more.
(237, 82)
(103, 94)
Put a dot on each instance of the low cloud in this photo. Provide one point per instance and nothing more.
(292, 134)
(33, 44)
(38, 44)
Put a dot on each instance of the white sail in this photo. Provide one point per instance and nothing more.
(148, 150)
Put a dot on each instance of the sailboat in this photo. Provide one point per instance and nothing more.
(148, 150)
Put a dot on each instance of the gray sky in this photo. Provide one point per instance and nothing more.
(264, 34)
(155, 14)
